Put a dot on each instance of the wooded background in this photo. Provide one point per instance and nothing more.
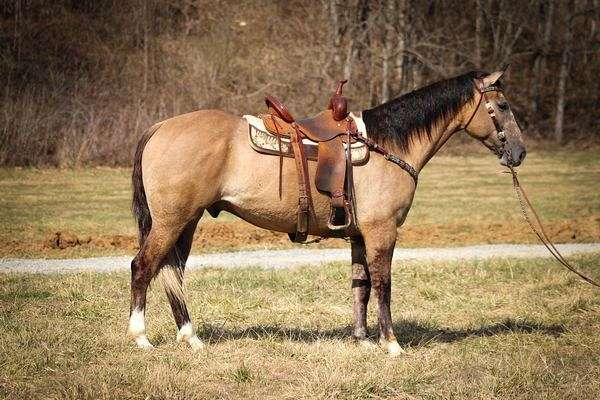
(82, 79)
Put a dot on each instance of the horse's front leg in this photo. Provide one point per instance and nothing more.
(361, 288)
(379, 243)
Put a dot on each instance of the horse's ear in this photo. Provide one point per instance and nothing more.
(492, 78)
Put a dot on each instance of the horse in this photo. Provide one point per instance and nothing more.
(202, 161)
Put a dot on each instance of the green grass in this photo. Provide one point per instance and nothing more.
(496, 329)
(460, 200)
(93, 201)
(563, 186)
(37, 202)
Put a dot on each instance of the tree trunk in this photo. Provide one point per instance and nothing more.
(336, 35)
(372, 67)
(388, 13)
(539, 64)
(564, 73)
(478, 32)
(407, 59)
(401, 46)
(358, 35)
(350, 57)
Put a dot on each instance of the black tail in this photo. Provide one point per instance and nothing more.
(139, 204)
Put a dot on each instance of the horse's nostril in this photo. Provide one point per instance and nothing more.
(522, 155)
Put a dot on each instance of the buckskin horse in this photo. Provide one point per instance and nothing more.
(202, 161)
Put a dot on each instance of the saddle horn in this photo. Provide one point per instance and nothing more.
(338, 103)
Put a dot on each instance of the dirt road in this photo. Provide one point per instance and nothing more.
(289, 258)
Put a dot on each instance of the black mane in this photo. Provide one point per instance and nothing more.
(416, 113)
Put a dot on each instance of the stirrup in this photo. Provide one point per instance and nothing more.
(347, 218)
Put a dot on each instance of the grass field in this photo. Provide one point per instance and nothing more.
(497, 329)
(460, 200)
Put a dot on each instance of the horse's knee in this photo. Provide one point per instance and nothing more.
(140, 273)
(134, 266)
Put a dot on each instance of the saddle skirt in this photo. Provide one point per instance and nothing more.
(265, 142)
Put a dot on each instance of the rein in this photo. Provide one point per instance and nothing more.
(541, 232)
(520, 192)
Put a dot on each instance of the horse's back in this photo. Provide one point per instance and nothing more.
(193, 129)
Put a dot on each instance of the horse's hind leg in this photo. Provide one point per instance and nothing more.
(144, 267)
(172, 277)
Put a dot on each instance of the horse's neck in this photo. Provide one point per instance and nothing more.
(424, 148)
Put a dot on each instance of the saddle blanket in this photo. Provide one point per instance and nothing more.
(265, 142)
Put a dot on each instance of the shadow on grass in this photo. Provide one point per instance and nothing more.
(409, 332)
(413, 333)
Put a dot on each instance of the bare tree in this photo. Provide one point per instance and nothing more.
(564, 72)
(73, 71)
(546, 14)
(388, 41)
(336, 31)
(357, 36)
(478, 32)
(404, 33)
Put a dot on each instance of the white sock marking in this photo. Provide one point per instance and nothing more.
(186, 333)
(137, 329)
(393, 348)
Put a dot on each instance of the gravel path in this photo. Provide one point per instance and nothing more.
(290, 258)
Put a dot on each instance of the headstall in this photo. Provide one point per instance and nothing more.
(490, 110)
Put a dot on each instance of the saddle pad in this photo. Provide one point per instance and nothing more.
(264, 142)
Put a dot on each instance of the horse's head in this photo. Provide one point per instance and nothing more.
(492, 122)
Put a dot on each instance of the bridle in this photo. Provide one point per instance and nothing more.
(500, 134)
(524, 202)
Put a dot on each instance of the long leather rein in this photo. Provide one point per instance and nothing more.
(521, 195)
(541, 232)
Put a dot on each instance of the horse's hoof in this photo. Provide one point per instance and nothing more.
(186, 334)
(392, 348)
(366, 343)
(142, 342)
(195, 343)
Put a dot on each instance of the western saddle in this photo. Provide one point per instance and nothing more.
(333, 130)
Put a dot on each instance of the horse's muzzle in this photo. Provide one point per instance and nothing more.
(513, 157)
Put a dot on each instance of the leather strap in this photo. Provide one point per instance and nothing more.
(522, 197)
(490, 110)
(304, 198)
(388, 156)
(280, 156)
(351, 207)
(541, 232)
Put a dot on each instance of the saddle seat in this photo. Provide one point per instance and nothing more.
(323, 127)
(330, 129)
(320, 128)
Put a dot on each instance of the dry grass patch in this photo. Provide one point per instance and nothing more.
(496, 329)
(460, 200)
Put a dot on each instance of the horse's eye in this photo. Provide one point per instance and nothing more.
(503, 106)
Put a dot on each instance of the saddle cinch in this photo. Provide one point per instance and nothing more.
(332, 130)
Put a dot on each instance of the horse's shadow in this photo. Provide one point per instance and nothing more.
(410, 333)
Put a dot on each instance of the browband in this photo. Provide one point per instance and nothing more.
(491, 88)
